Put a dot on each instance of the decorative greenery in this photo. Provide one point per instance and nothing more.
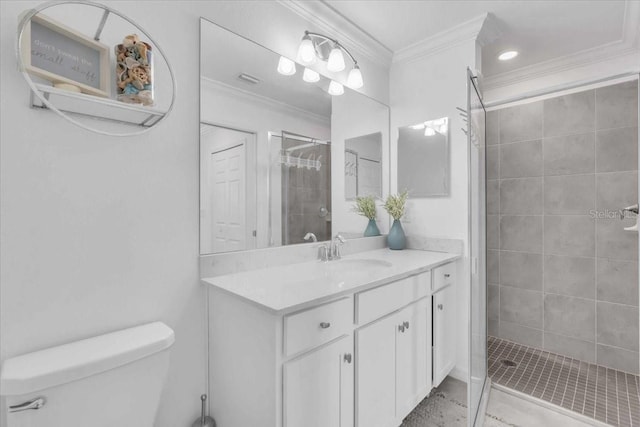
(395, 204)
(365, 206)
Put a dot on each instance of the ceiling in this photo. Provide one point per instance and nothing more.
(539, 30)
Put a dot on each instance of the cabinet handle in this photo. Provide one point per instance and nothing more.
(401, 328)
(447, 275)
(347, 357)
(325, 325)
(440, 306)
(405, 324)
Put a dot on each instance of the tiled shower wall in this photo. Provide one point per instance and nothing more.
(562, 272)
(307, 191)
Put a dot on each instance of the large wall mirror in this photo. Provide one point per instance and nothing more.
(423, 158)
(274, 149)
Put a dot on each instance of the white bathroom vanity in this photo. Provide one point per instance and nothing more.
(358, 341)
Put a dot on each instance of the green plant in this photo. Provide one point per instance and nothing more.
(365, 206)
(395, 204)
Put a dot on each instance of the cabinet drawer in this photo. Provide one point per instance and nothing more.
(373, 304)
(443, 276)
(311, 328)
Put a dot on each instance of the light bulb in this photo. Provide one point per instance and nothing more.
(335, 88)
(429, 131)
(306, 51)
(286, 66)
(336, 60)
(310, 76)
(355, 78)
(507, 55)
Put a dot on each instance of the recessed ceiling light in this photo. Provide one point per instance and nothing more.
(507, 55)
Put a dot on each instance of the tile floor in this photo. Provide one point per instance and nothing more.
(601, 393)
(446, 407)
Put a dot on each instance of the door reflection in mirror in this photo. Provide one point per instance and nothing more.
(227, 166)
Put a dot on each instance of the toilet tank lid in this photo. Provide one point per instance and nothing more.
(70, 362)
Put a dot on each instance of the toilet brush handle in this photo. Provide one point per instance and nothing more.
(204, 399)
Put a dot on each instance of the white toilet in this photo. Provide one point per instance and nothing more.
(112, 380)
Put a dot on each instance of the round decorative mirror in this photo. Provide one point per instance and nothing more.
(95, 67)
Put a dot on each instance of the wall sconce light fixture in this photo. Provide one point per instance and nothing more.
(316, 46)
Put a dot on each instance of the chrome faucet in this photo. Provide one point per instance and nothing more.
(336, 244)
(630, 209)
(310, 236)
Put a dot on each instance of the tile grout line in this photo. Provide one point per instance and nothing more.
(565, 135)
(553, 364)
(626, 388)
(544, 252)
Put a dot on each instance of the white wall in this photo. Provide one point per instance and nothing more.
(429, 88)
(101, 233)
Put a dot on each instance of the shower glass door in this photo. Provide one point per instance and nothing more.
(305, 188)
(478, 253)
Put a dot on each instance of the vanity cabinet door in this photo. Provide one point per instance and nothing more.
(413, 356)
(444, 345)
(318, 387)
(376, 373)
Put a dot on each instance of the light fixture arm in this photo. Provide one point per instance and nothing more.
(329, 39)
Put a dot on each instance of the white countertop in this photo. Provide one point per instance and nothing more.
(288, 288)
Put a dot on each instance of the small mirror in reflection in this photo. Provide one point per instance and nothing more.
(423, 158)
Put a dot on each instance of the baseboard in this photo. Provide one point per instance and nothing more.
(459, 374)
(551, 406)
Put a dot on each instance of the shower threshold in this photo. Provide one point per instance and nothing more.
(593, 391)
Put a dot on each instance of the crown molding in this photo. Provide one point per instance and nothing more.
(631, 26)
(264, 100)
(328, 20)
(629, 44)
(446, 39)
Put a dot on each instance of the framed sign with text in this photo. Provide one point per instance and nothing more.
(59, 54)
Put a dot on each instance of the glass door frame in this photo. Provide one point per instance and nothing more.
(476, 413)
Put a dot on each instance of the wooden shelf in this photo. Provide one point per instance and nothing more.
(96, 107)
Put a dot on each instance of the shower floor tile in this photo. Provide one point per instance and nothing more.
(601, 393)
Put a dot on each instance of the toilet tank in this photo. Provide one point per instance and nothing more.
(105, 381)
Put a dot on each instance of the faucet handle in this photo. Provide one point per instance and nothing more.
(323, 252)
(337, 241)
